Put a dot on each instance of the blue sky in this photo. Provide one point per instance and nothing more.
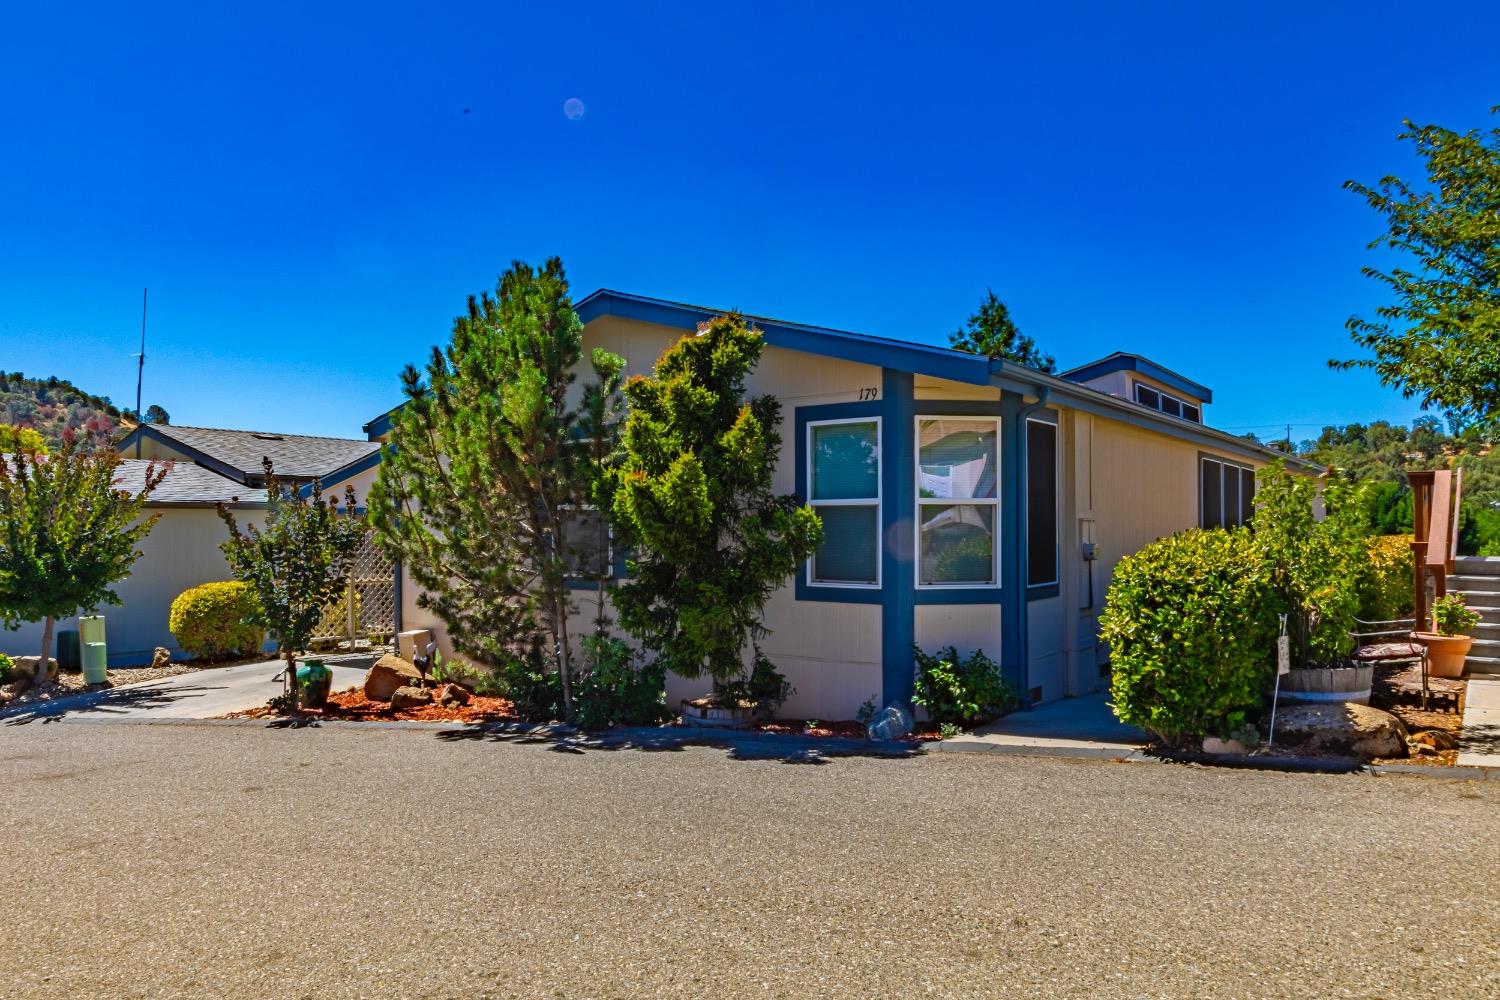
(310, 193)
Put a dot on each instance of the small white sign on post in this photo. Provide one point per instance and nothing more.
(1283, 655)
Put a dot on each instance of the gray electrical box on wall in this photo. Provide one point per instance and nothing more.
(1090, 551)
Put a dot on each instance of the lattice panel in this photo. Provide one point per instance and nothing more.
(372, 587)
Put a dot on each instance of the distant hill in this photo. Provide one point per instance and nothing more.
(52, 406)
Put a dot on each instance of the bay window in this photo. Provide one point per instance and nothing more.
(958, 501)
(844, 488)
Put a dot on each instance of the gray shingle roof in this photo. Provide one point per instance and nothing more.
(294, 455)
(185, 483)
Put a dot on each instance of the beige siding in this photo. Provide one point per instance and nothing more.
(151, 448)
(181, 551)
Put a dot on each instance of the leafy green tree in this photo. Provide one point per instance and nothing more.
(484, 470)
(67, 533)
(156, 415)
(1315, 566)
(1439, 339)
(296, 564)
(693, 501)
(17, 439)
(990, 331)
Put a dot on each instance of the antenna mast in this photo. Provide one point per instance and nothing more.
(140, 373)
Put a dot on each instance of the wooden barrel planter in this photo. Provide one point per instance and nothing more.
(1329, 684)
(702, 712)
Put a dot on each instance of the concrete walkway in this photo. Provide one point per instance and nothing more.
(203, 694)
(1070, 724)
(1479, 744)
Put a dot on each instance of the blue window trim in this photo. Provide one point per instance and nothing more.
(804, 415)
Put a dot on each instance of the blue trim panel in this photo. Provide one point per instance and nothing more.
(380, 426)
(349, 471)
(1121, 361)
(922, 359)
(898, 619)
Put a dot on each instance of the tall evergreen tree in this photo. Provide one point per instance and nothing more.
(484, 469)
(990, 331)
(710, 540)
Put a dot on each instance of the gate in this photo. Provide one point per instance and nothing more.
(366, 614)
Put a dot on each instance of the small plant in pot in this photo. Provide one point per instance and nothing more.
(1448, 646)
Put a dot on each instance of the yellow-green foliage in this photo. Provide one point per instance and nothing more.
(217, 620)
(1385, 593)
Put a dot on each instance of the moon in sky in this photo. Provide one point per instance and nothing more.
(573, 109)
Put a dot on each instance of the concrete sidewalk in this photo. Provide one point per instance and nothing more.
(203, 694)
(1479, 743)
(1070, 724)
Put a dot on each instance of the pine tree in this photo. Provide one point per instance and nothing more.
(484, 469)
(990, 331)
(693, 501)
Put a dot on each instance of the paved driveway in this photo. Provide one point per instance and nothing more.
(214, 859)
(203, 694)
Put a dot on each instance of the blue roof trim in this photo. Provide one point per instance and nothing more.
(919, 359)
(1120, 361)
(349, 471)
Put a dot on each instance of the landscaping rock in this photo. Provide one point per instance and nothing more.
(14, 689)
(387, 675)
(410, 697)
(161, 659)
(25, 666)
(1212, 744)
(1341, 729)
(452, 695)
(1432, 740)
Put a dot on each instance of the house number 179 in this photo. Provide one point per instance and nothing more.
(869, 392)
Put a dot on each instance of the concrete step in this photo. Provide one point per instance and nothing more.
(1487, 615)
(1483, 665)
(1466, 584)
(1485, 646)
(1478, 565)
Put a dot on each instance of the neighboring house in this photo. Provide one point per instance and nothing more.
(238, 455)
(181, 551)
(965, 501)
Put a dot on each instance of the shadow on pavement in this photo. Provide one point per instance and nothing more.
(787, 749)
(117, 701)
(1482, 738)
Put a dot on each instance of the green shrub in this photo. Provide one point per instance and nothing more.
(1385, 592)
(7, 665)
(533, 685)
(215, 621)
(1190, 622)
(962, 691)
(1451, 616)
(615, 691)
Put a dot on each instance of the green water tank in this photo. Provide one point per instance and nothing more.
(67, 649)
(95, 663)
(91, 629)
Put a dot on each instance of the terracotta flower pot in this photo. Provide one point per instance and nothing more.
(1445, 653)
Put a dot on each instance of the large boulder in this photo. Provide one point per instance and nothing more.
(1341, 729)
(388, 674)
(410, 697)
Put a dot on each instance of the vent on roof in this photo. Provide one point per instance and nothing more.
(268, 437)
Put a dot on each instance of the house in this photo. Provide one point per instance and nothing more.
(181, 551)
(965, 502)
(238, 455)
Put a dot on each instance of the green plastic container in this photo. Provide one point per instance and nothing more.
(91, 629)
(68, 656)
(314, 680)
(95, 663)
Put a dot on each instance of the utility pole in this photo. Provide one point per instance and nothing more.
(140, 373)
(1288, 426)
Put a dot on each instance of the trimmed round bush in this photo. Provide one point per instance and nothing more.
(1385, 591)
(1191, 626)
(215, 621)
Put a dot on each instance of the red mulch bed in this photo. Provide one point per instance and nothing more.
(354, 706)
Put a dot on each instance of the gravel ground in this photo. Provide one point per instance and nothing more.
(235, 860)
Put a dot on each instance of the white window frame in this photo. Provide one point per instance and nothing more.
(995, 564)
(1239, 468)
(1182, 404)
(878, 502)
(1057, 503)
